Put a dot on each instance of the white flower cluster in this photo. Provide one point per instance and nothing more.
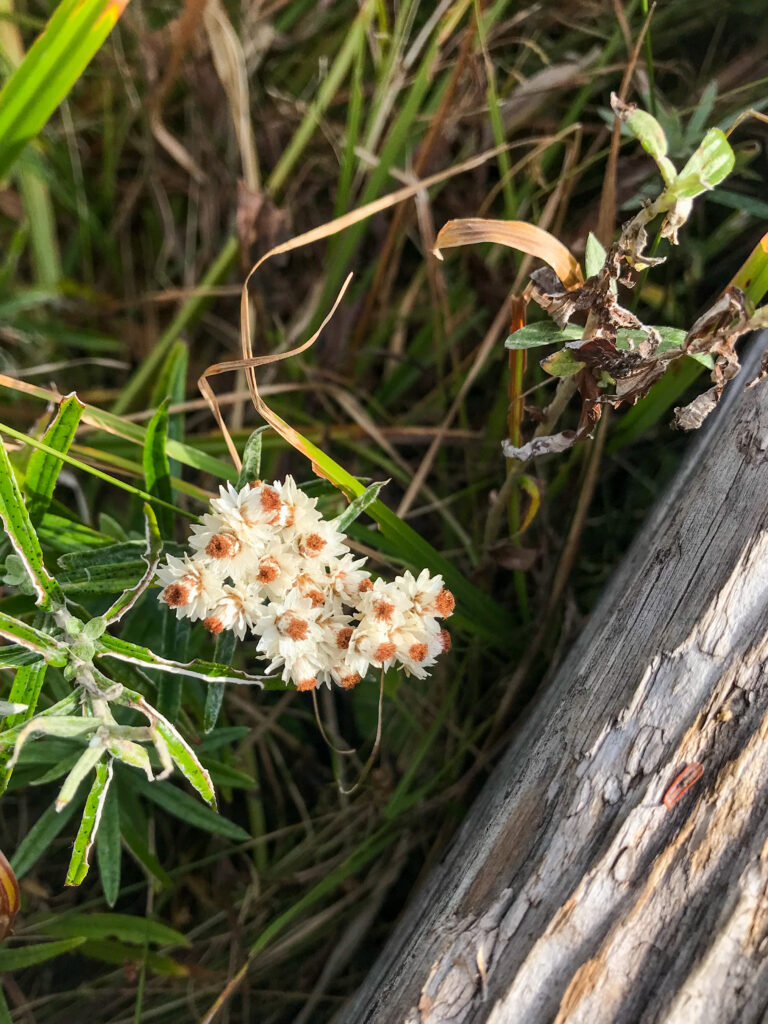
(265, 560)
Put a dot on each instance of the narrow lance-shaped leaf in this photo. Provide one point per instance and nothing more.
(154, 547)
(137, 931)
(359, 505)
(28, 956)
(25, 690)
(115, 647)
(172, 383)
(66, 726)
(594, 255)
(39, 838)
(85, 467)
(21, 533)
(251, 468)
(108, 852)
(43, 469)
(83, 767)
(180, 751)
(157, 473)
(214, 696)
(648, 133)
(188, 808)
(752, 277)
(35, 640)
(89, 826)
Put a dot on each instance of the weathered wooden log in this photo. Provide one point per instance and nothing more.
(587, 883)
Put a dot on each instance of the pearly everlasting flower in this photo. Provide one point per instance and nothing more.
(190, 587)
(264, 561)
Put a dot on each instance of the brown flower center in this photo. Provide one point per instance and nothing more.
(268, 570)
(213, 624)
(384, 651)
(445, 639)
(351, 680)
(417, 652)
(296, 628)
(176, 595)
(445, 603)
(307, 684)
(343, 637)
(222, 545)
(383, 610)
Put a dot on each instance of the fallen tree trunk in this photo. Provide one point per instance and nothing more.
(588, 884)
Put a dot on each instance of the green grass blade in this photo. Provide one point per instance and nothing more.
(50, 69)
(172, 384)
(39, 838)
(21, 533)
(43, 469)
(28, 956)
(136, 931)
(133, 432)
(752, 277)
(191, 309)
(157, 472)
(25, 690)
(214, 695)
(108, 852)
(189, 809)
(89, 826)
(85, 468)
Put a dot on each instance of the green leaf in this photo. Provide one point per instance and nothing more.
(172, 383)
(115, 647)
(151, 556)
(127, 553)
(251, 469)
(28, 956)
(544, 333)
(181, 805)
(121, 953)
(84, 467)
(84, 765)
(562, 364)
(710, 164)
(89, 826)
(214, 695)
(43, 468)
(21, 533)
(63, 534)
(752, 276)
(594, 255)
(137, 931)
(157, 472)
(358, 506)
(180, 751)
(33, 639)
(39, 838)
(108, 852)
(54, 63)
(16, 656)
(25, 690)
(650, 135)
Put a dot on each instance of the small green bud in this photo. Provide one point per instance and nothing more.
(93, 629)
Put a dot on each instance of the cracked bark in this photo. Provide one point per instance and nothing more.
(572, 894)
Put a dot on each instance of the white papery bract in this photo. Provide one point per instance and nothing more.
(264, 561)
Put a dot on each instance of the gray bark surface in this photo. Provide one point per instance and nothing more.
(571, 892)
